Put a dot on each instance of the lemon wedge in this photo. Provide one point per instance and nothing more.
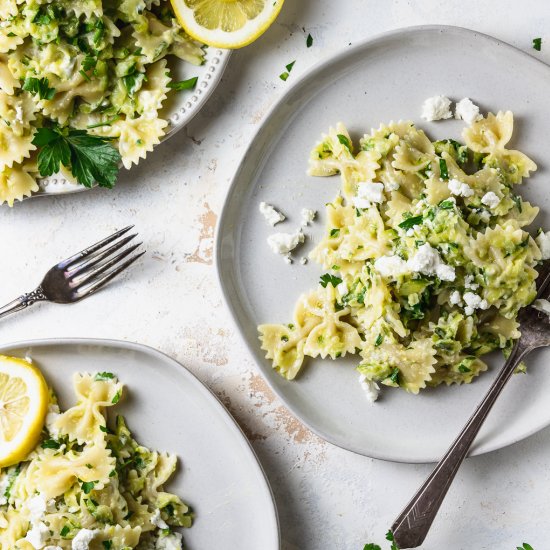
(226, 23)
(24, 402)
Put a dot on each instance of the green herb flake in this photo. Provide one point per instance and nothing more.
(290, 66)
(344, 140)
(447, 204)
(443, 170)
(102, 376)
(116, 397)
(107, 544)
(39, 87)
(88, 486)
(284, 76)
(409, 223)
(309, 41)
(537, 44)
(334, 233)
(188, 84)
(371, 546)
(464, 369)
(50, 444)
(379, 340)
(327, 279)
(65, 530)
(525, 547)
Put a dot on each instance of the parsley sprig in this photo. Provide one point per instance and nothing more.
(39, 87)
(91, 158)
(188, 84)
(327, 279)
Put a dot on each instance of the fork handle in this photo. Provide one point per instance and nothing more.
(414, 522)
(23, 302)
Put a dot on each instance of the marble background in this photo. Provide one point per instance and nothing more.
(328, 498)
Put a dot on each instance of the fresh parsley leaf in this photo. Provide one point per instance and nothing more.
(525, 547)
(379, 340)
(443, 170)
(411, 222)
(537, 44)
(64, 531)
(91, 158)
(371, 546)
(188, 84)
(344, 141)
(284, 76)
(101, 376)
(309, 41)
(50, 444)
(133, 81)
(447, 204)
(464, 368)
(327, 278)
(394, 377)
(39, 87)
(116, 398)
(88, 486)
(334, 232)
(89, 63)
(107, 544)
(290, 66)
(390, 537)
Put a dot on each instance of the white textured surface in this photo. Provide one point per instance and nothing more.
(328, 498)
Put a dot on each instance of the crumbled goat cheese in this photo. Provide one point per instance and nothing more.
(469, 282)
(543, 241)
(473, 302)
(51, 418)
(303, 260)
(467, 111)
(410, 232)
(460, 189)
(38, 535)
(36, 506)
(157, 521)
(19, 114)
(454, 298)
(358, 202)
(542, 305)
(371, 191)
(284, 243)
(4, 484)
(342, 289)
(428, 262)
(391, 186)
(490, 199)
(485, 216)
(390, 266)
(436, 108)
(372, 389)
(82, 539)
(169, 542)
(307, 216)
(271, 215)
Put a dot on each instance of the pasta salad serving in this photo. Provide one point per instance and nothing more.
(425, 253)
(83, 485)
(81, 86)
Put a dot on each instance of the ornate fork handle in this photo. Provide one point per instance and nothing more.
(24, 302)
(412, 525)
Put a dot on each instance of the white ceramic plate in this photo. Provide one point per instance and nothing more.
(384, 79)
(179, 110)
(169, 409)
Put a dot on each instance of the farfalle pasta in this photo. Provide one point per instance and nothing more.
(86, 481)
(427, 258)
(86, 65)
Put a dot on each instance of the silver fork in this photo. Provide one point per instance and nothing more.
(412, 525)
(82, 274)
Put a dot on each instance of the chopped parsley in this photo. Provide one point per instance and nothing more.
(371, 546)
(107, 544)
(90, 158)
(443, 169)
(39, 87)
(88, 486)
(188, 84)
(50, 444)
(394, 377)
(344, 141)
(65, 531)
(327, 279)
(290, 66)
(525, 546)
(116, 397)
(334, 233)
(102, 376)
(309, 41)
(379, 340)
(410, 222)
(537, 44)
(284, 76)
(447, 204)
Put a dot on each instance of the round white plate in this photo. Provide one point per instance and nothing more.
(384, 79)
(179, 109)
(168, 409)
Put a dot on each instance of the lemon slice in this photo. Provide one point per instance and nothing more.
(226, 23)
(23, 406)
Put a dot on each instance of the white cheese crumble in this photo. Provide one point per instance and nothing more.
(38, 535)
(436, 108)
(371, 191)
(307, 216)
(490, 199)
(543, 242)
(82, 539)
(467, 110)
(390, 266)
(157, 521)
(284, 243)
(542, 305)
(454, 298)
(169, 542)
(428, 262)
(342, 289)
(36, 506)
(358, 202)
(460, 189)
(51, 418)
(469, 282)
(271, 215)
(473, 302)
(391, 186)
(485, 216)
(372, 389)
(4, 484)
(53, 548)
